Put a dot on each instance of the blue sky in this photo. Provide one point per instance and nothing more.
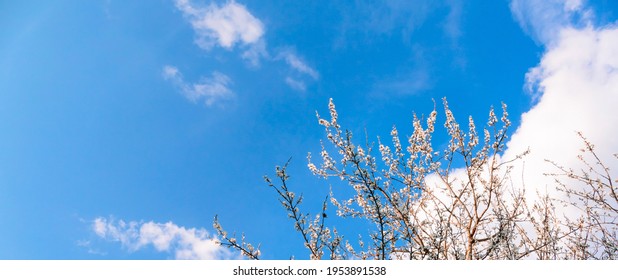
(171, 111)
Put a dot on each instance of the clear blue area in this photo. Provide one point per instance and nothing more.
(89, 127)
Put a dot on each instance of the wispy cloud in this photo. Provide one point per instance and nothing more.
(299, 65)
(295, 84)
(183, 243)
(392, 17)
(384, 16)
(254, 53)
(299, 68)
(211, 90)
(225, 25)
(543, 19)
(86, 244)
(409, 83)
(414, 79)
(452, 23)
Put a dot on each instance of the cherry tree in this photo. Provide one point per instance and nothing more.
(459, 202)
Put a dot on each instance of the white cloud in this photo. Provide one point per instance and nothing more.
(229, 25)
(225, 25)
(299, 65)
(543, 19)
(183, 243)
(214, 89)
(578, 88)
(232, 23)
(575, 87)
